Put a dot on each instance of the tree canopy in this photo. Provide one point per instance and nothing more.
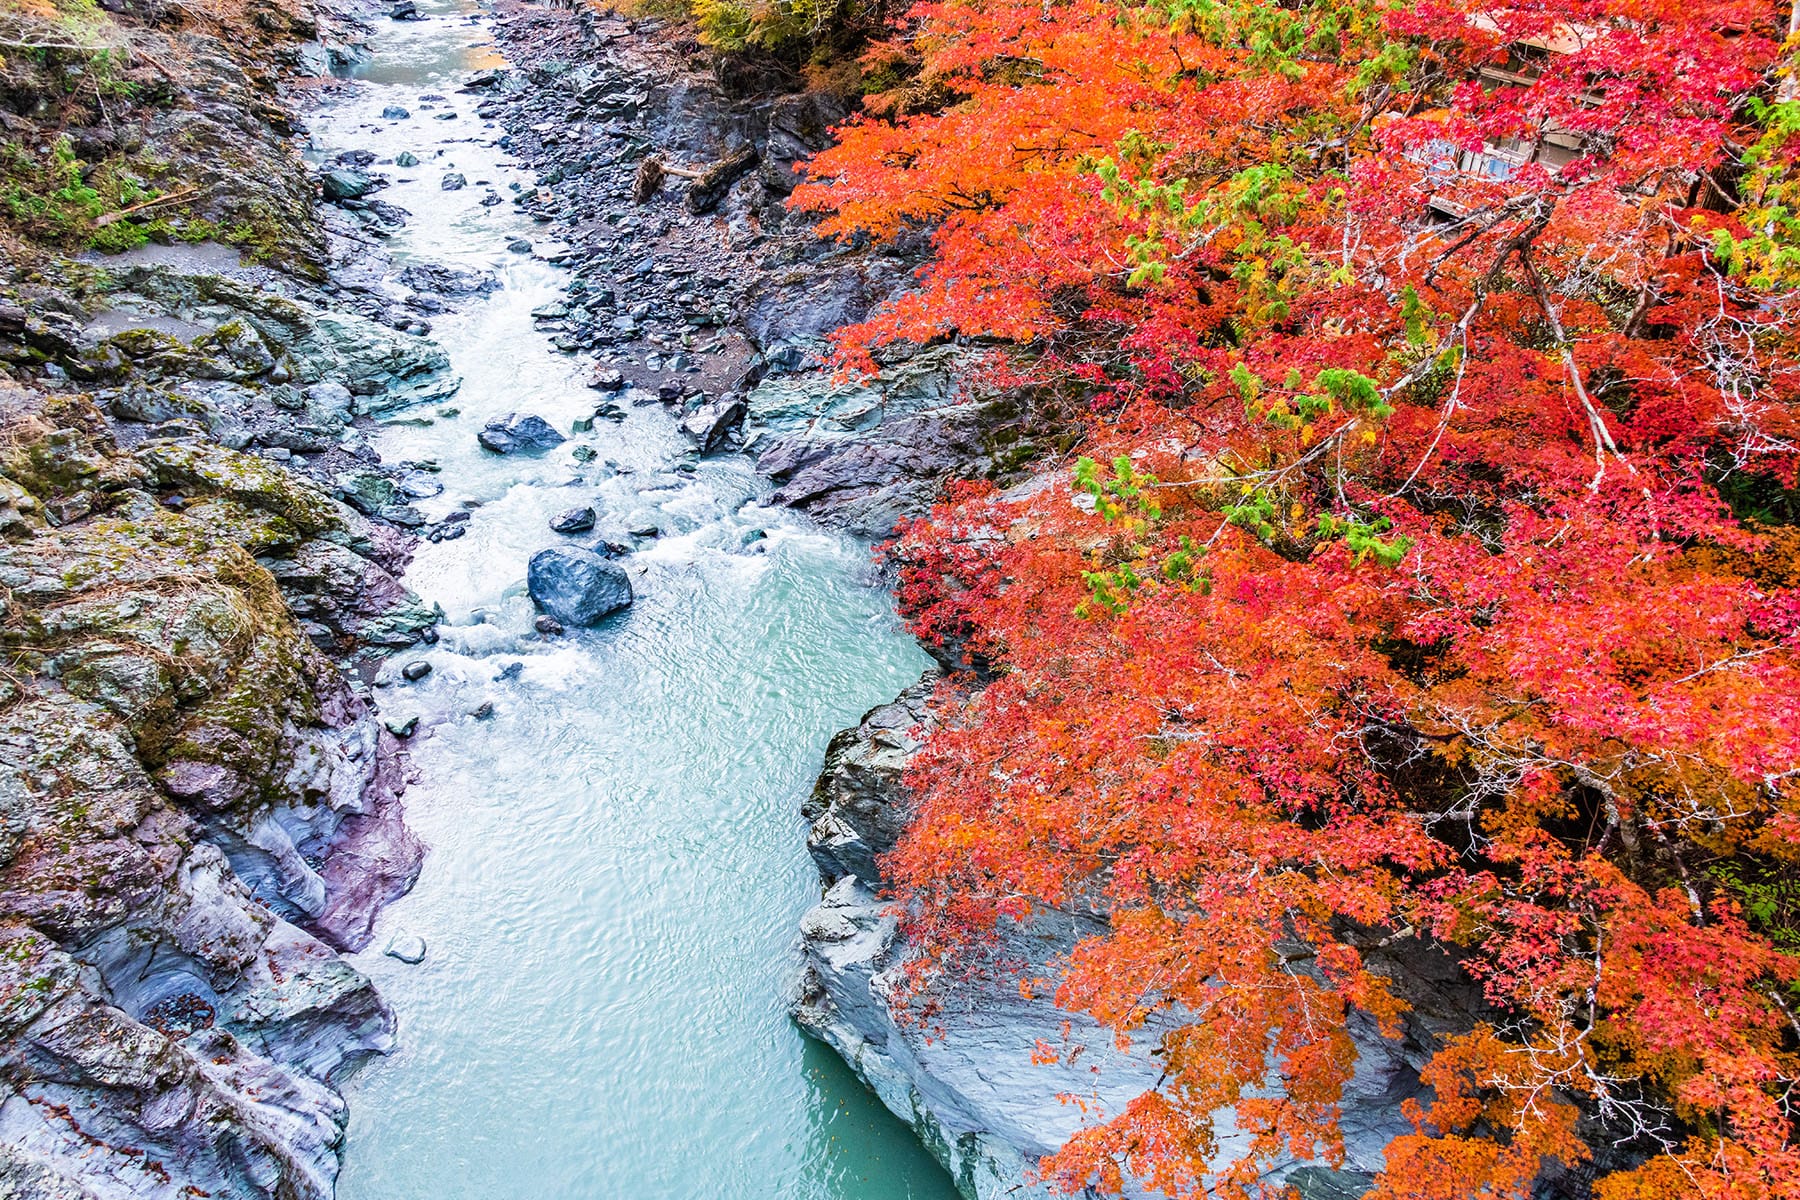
(1430, 569)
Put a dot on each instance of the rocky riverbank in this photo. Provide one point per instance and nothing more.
(199, 809)
(667, 173)
(667, 170)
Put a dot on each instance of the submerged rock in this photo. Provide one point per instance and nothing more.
(577, 586)
(409, 948)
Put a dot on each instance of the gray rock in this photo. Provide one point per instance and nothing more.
(965, 1081)
(574, 520)
(606, 379)
(416, 670)
(394, 112)
(406, 158)
(799, 127)
(341, 183)
(382, 369)
(453, 182)
(157, 985)
(331, 401)
(368, 491)
(577, 586)
(519, 245)
(420, 486)
(449, 281)
(864, 454)
(859, 807)
(516, 432)
(711, 424)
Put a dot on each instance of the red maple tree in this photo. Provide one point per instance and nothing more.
(1442, 580)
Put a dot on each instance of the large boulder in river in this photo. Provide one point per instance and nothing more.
(577, 586)
(518, 431)
(579, 519)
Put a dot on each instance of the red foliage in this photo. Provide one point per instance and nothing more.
(1415, 601)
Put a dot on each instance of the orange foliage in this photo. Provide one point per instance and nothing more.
(1419, 597)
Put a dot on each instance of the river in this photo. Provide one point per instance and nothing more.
(616, 858)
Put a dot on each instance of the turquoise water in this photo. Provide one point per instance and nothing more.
(616, 862)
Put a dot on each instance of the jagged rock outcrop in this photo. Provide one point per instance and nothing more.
(965, 1080)
(241, 333)
(181, 770)
(858, 806)
(866, 453)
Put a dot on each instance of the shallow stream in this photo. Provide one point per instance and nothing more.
(616, 859)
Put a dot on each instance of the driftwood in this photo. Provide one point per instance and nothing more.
(187, 193)
(709, 186)
(650, 175)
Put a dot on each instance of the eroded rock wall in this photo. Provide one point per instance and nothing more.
(965, 1079)
(199, 555)
(177, 761)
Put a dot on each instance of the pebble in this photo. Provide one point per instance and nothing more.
(394, 112)
(416, 670)
(402, 729)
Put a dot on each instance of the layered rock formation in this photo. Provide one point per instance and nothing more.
(198, 811)
(965, 1080)
(185, 781)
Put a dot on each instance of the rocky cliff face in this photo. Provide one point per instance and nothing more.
(965, 1080)
(198, 811)
(181, 772)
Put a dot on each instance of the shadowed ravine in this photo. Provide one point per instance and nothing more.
(616, 859)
